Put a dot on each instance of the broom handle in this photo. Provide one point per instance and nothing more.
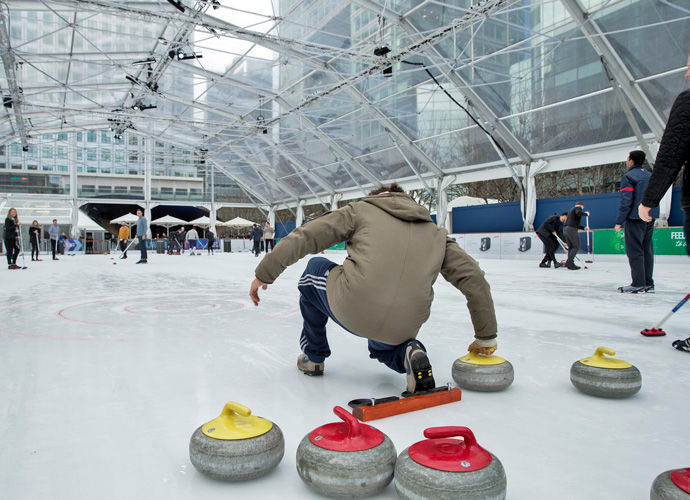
(678, 306)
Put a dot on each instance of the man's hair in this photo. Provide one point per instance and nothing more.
(581, 203)
(564, 213)
(140, 210)
(393, 188)
(54, 220)
(637, 157)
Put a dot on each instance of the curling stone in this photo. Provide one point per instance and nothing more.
(440, 468)
(237, 445)
(346, 459)
(671, 485)
(609, 378)
(482, 373)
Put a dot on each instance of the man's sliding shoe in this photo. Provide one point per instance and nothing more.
(545, 264)
(419, 375)
(631, 289)
(309, 367)
(682, 345)
(649, 289)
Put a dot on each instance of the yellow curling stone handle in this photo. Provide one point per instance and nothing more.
(598, 360)
(236, 422)
(474, 358)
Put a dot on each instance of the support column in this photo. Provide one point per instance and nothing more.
(212, 212)
(74, 190)
(334, 201)
(272, 216)
(528, 200)
(148, 168)
(442, 219)
(300, 213)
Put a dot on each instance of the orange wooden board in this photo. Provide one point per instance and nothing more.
(406, 405)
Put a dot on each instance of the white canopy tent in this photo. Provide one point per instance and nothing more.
(128, 219)
(237, 222)
(168, 221)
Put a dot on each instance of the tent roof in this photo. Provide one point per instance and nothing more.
(168, 219)
(238, 221)
(129, 218)
(284, 102)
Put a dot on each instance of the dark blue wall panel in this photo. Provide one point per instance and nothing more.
(284, 228)
(506, 217)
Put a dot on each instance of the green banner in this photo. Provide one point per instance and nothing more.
(667, 241)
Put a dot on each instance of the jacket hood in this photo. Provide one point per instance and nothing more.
(400, 206)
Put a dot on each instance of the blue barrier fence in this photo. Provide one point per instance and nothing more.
(506, 217)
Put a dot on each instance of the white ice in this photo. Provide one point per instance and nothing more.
(106, 371)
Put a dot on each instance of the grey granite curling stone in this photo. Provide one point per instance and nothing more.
(346, 459)
(605, 377)
(671, 485)
(237, 445)
(482, 373)
(449, 469)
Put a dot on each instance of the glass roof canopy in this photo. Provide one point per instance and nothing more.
(302, 99)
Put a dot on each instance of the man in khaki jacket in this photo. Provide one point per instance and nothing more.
(383, 291)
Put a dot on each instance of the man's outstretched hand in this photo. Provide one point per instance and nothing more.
(254, 290)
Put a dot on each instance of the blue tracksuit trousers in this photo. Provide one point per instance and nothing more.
(313, 303)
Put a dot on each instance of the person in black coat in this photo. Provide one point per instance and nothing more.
(10, 235)
(256, 235)
(674, 152)
(570, 231)
(35, 239)
(547, 232)
(211, 240)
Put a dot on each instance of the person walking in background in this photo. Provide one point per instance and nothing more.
(550, 229)
(192, 237)
(570, 231)
(35, 240)
(10, 234)
(211, 240)
(638, 233)
(674, 152)
(142, 227)
(123, 238)
(54, 234)
(256, 235)
(269, 234)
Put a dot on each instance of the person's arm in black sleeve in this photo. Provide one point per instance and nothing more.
(673, 151)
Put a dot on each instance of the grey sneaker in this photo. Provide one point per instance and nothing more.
(649, 289)
(631, 289)
(309, 367)
(419, 375)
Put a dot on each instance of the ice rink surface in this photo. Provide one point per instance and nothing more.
(106, 371)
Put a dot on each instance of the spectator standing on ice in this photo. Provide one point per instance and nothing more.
(638, 233)
(269, 235)
(123, 238)
(383, 291)
(192, 237)
(674, 152)
(35, 239)
(256, 236)
(54, 234)
(211, 240)
(550, 229)
(142, 227)
(570, 231)
(10, 235)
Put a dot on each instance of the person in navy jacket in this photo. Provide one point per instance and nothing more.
(638, 233)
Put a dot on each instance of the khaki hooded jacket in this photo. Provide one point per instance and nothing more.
(384, 289)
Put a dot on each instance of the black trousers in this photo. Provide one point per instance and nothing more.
(53, 246)
(640, 251)
(11, 251)
(257, 247)
(270, 242)
(550, 246)
(572, 238)
(34, 249)
(123, 246)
